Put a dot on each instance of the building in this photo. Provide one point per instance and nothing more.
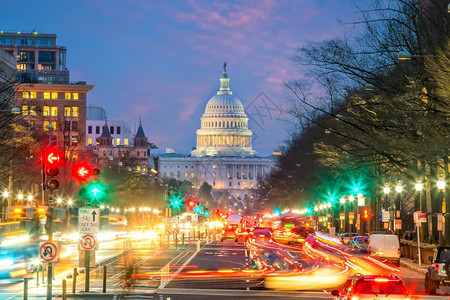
(119, 130)
(136, 157)
(44, 93)
(224, 157)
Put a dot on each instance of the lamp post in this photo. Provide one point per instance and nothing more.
(441, 187)
(386, 191)
(398, 205)
(419, 188)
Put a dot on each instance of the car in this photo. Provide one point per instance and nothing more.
(362, 287)
(298, 235)
(230, 232)
(359, 243)
(345, 237)
(438, 274)
(261, 234)
(384, 247)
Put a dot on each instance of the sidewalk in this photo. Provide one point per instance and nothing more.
(410, 264)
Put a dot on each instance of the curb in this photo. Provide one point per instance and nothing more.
(413, 267)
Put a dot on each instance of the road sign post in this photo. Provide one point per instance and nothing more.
(48, 253)
(88, 224)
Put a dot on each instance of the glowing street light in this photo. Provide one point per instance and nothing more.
(20, 196)
(70, 202)
(5, 194)
(59, 200)
(441, 184)
(419, 186)
(386, 190)
(30, 198)
(399, 189)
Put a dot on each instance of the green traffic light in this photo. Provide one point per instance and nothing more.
(175, 202)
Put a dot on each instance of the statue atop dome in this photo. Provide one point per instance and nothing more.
(225, 70)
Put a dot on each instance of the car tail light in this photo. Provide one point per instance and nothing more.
(355, 298)
(381, 279)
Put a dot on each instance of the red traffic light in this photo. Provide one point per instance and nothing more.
(83, 172)
(365, 213)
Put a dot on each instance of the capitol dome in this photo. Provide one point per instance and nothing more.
(224, 125)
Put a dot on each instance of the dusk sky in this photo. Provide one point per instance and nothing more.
(162, 60)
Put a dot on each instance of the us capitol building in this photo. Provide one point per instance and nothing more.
(224, 157)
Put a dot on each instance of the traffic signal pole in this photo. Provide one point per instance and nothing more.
(50, 238)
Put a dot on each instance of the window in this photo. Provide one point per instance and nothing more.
(75, 96)
(111, 129)
(118, 129)
(229, 183)
(45, 124)
(32, 110)
(89, 141)
(54, 125)
(66, 111)
(89, 129)
(46, 95)
(74, 111)
(75, 125)
(67, 96)
(186, 174)
(25, 95)
(138, 153)
(66, 125)
(25, 111)
(33, 95)
(125, 142)
(46, 111)
(54, 95)
(138, 168)
(54, 111)
(192, 174)
(214, 174)
(117, 141)
(97, 129)
(178, 173)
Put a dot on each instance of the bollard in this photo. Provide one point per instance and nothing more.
(207, 240)
(160, 240)
(37, 276)
(194, 233)
(64, 291)
(74, 281)
(104, 279)
(198, 245)
(189, 235)
(182, 240)
(168, 241)
(175, 236)
(25, 289)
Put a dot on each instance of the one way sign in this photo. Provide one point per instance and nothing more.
(88, 220)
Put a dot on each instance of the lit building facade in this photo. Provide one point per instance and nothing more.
(44, 93)
(224, 157)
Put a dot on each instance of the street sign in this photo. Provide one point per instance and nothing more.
(168, 231)
(88, 220)
(88, 242)
(342, 216)
(351, 215)
(168, 222)
(386, 216)
(48, 252)
(398, 224)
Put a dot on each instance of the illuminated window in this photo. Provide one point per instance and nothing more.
(45, 125)
(89, 141)
(54, 111)
(46, 111)
(67, 96)
(32, 110)
(117, 141)
(54, 95)
(192, 174)
(75, 96)
(25, 95)
(186, 174)
(54, 125)
(21, 67)
(125, 142)
(66, 111)
(25, 111)
(214, 174)
(33, 95)
(214, 166)
(46, 95)
(74, 111)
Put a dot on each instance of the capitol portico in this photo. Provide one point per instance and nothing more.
(224, 157)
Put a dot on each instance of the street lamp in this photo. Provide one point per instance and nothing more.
(406, 55)
(20, 197)
(441, 187)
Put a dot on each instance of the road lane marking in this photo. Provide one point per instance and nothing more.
(163, 285)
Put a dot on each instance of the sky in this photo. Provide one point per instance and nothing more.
(161, 60)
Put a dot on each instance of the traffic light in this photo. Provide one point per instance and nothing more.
(51, 162)
(84, 172)
(198, 209)
(365, 213)
(175, 201)
(191, 203)
(206, 213)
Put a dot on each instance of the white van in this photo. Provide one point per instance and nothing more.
(385, 247)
